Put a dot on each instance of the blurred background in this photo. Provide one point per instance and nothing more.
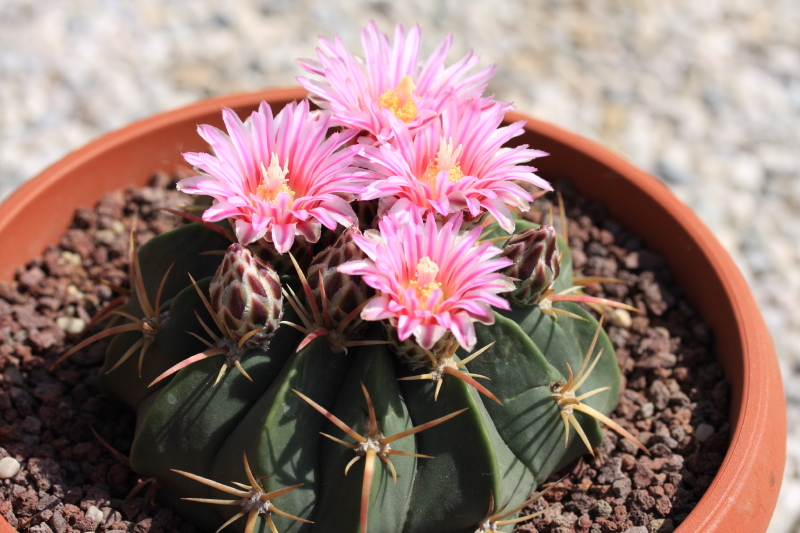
(705, 95)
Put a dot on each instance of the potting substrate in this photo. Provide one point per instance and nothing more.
(674, 399)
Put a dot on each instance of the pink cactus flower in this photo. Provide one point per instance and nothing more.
(277, 177)
(455, 163)
(390, 81)
(430, 278)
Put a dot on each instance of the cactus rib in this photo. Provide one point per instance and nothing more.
(373, 443)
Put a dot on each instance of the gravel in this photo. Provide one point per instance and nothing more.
(704, 95)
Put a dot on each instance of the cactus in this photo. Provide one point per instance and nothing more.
(419, 376)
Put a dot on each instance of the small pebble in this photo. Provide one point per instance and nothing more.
(72, 258)
(70, 324)
(118, 227)
(621, 318)
(9, 467)
(95, 514)
(703, 431)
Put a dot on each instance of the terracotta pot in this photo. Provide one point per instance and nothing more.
(742, 496)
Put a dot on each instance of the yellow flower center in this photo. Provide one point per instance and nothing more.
(399, 101)
(445, 160)
(274, 181)
(426, 283)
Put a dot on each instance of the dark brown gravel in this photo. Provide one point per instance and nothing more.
(676, 400)
(47, 416)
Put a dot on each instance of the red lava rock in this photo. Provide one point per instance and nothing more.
(84, 523)
(82, 451)
(58, 523)
(621, 488)
(77, 241)
(5, 400)
(607, 526)
(642, 476)
(663, 505)
(71, 513)
(131, 508)
(25, 503)
(148, 525)
(30, 278)
(7, 510)
(45, 472)
(628, 462)
(642, 500)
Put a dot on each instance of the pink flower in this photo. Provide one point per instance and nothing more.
(431, 279)
(277, 177)
(390, 81)
(455, 163)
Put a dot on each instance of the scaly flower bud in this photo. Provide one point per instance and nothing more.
(535, 255)
(343, 292)
(245, 294)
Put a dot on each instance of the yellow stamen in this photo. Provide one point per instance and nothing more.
(274, 181)
(426, 283)
(399, 101)
(446, 160)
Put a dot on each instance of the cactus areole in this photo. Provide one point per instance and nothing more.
(423, 374)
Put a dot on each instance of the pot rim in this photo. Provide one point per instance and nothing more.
(743, 494)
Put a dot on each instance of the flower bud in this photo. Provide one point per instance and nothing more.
(245, 294)
(535, 255)
(343, 292)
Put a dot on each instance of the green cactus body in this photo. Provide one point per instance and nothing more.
(501, 451)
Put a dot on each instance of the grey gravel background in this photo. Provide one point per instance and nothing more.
(703, 94)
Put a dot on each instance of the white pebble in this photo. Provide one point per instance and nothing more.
(703, 431)
(72, 290)
(71, 324)
(95, 514)
(621, 318)
(118, 227)
(70, 257)
(8, 467)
